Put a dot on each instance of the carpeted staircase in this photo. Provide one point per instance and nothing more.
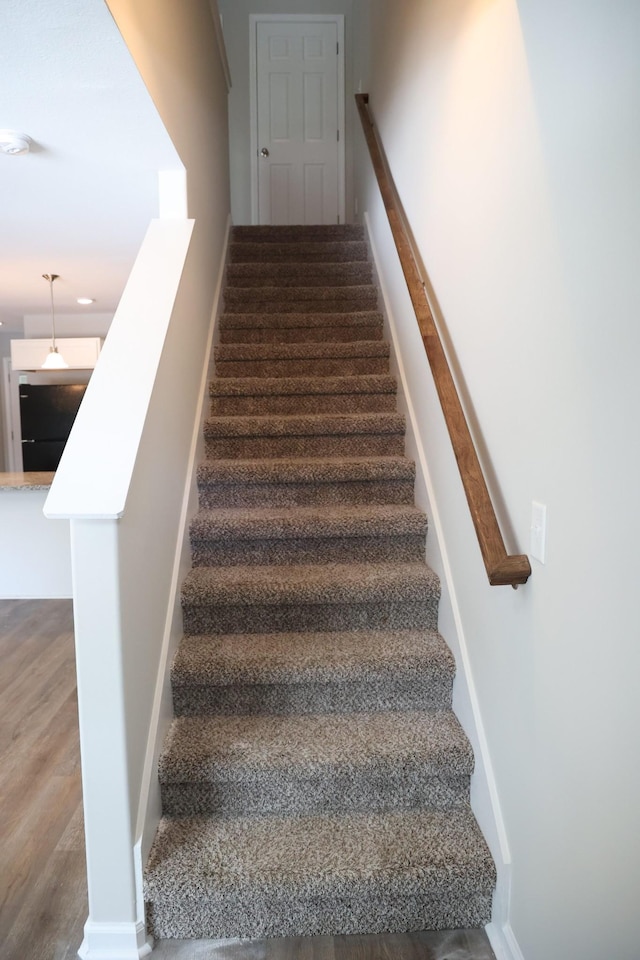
(315, 779)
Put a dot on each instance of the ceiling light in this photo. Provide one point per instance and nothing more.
(54, 360)
(14, 144)
(85, 301)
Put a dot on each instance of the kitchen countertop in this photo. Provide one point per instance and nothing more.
(25, 481)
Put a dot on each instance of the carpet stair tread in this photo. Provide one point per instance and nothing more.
(338, 327)
(307, 359)
(258, 872)
(264, 765)
(290, 321)
(309, 535)
(288, 673)
(205, 748)
(259, 396)
(320, 424)
(283, 292)
(298, 252)
(304, 584)
(365, 302)
(294, 658)
(296, 351)
(301, 386)
(294, 470)
(313, 362)
(305, 481)
(403, 847)
(291, 274)
(288, 404)
(321, 522)
(298, 232)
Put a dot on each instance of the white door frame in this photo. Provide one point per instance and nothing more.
(254, 19)
(11, 410)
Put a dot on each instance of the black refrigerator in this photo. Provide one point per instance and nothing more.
(47, 413)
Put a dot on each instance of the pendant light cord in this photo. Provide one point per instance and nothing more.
(51, 277)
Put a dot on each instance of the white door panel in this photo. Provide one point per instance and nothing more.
(298, 118)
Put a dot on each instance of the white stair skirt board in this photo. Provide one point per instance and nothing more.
(115, 941)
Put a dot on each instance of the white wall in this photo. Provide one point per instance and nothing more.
(35, 557)
(511, 130)
(87, 324)
(235, 18)
(176, 51)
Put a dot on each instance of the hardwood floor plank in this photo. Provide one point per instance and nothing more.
(31, 845)
(73, 837)
(42, 866)
(34, 759)
(52, 930)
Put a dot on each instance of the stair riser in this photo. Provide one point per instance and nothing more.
(289, 321)
(292, 793)
(301, 367)
(270, 618)
(417, 691)
(282, 293)
(334, 252)
(216, 553)
(311, 275)
(304, 494)
(385, 444)
(445, 904)
(298, 233)
(342, 334)
(311, 403)
(253, 305)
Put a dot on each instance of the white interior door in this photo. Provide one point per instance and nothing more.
(299, 138)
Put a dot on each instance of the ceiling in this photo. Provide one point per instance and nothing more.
(77, 205)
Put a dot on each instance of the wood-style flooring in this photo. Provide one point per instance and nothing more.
(43, 894)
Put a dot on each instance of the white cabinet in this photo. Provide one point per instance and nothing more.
(81, 353)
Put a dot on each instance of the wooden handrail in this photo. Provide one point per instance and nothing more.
(502, 568)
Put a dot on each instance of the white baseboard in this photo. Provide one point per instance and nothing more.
(114, 941)
(503, 942)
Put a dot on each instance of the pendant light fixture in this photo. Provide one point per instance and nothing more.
(54, 359)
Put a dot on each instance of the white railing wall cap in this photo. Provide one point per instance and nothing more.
(93, 477)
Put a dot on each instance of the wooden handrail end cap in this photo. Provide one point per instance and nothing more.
(510, 572)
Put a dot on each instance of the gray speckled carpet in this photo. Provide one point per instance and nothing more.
(315, 779)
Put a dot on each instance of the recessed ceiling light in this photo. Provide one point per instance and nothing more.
(14, 144)
(85, 300)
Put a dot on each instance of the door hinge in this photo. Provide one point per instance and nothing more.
(337, 49)
(338, 218)
(338, 136)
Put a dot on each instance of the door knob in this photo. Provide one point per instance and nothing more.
(264, 152)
